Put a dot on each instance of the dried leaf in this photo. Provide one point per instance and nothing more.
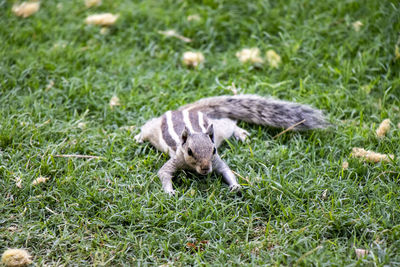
(92, 3)
(383, 128)
(197, 246)
(345, 165)
(360, 253)
(273, 59)
(194, 18)
(233, 89)
(370, 156)
(26, 9)
(18, 182)
(40, 180)
(16, 257)
(105, 19)
(357, 25)
(173, 33)
(50, 85)
(324, 194)
(250, 55)
(192, 59)
(114, 101)
(81, 125)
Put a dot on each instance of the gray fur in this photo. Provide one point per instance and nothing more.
(260, 110)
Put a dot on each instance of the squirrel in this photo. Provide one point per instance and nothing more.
(191, 134)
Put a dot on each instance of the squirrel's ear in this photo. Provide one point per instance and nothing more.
(210, 132)
(185, 135)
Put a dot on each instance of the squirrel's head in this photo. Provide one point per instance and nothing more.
(199, 149)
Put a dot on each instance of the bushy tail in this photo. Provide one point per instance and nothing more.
(260, 110)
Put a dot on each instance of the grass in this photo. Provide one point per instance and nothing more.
(299, 207)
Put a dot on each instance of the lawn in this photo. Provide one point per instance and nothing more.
(299, 206)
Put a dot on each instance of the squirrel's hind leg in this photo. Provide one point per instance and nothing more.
(225, 128)
(240, 133)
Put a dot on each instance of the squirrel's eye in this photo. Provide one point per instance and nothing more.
(214, 150)
(190, 153)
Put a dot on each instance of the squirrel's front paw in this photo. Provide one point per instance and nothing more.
(170, 192)
(139, 138)
(241, 134)
(235, 187)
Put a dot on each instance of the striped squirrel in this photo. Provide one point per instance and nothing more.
(192, 134)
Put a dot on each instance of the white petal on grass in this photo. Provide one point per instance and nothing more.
(50, 85)
(249, 55)
(233, 88)
(18, 182)
(81, 125)
(26, 9)
(357, 25)
(273, 59)
(104, 19)
(173, 33)
(345, 165)
(128, 128)
(114, 101)
(194, 17)
(360, 253)
(324, 194)
(370, 156)
(40, 180)
(16, 257)
(383, 128)
(92, 3)
(192, 59)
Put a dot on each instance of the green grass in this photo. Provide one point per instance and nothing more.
(112, 211)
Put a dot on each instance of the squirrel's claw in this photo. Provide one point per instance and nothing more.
(241, 134)
(139, 138)
(235, 187)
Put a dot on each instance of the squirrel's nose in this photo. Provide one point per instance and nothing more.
(205, 170)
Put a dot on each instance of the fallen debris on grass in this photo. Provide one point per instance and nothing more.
(26, 9)
(40, 180)
(357, 25)
(345, 165)
(288, 129)
(18, 182)
(114, 101)
(194, 17)
(16, 258)
(173, 33)
(77, 156)
(249, 55)
(383, 128)
(370, 156)
(92, 3)
(192, 59)
(360, 253)
(273, 59)
(105, 19)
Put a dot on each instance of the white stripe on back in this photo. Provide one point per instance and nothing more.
(171, 129)
(186, 120)
(201, 122)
